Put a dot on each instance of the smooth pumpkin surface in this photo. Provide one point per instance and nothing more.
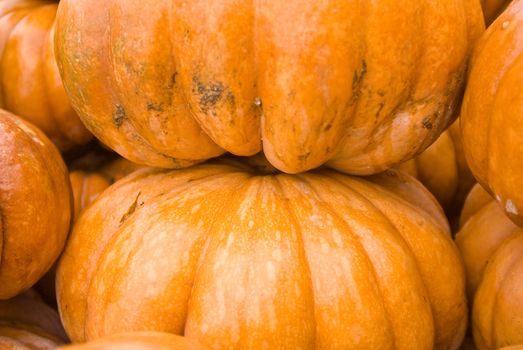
(86, 187)
(492, 250)
(307, 82)
(492, 112)
(492, 8)
(30, 84)
(27, 323)
(237, 257)
(35, 204)
(138, 341)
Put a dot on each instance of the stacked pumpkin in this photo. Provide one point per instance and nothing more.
(280, 243)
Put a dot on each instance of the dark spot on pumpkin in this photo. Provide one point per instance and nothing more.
(304, 156)
(427, 123)
(158, 107)
(172, 82)
(119, 115)
(230, 99)
(381, 93)
(327, 127)
(357, 80)
(380, 108)
(209, 95)
(131, 209)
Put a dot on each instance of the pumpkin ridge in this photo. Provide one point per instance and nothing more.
(207, 240)
(299, 233)
(356, 238)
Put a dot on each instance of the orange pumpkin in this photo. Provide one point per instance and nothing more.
(26, 323)
(235, 256)
(139, 341)
(491, 247)
(35, 204)
(86, 186)
(492, 113)
(492, 8)
(308, 82)
(30, 84)
(442, 168)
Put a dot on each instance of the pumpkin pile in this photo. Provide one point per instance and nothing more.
(295, 174)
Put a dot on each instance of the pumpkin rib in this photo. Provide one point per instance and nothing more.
(205, 246)
(355, 238)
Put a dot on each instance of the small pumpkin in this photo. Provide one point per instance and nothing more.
(26, 323)
(138, 341)
(491, 247)
(307, 82)
(235, 255)
(442, 168)
(35, 204)
(492, 112)
(30, 84)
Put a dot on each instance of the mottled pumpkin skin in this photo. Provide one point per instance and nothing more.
(307, 82)
(26, 323)
(492, 249)
(236, 259)
(30, 84)
(492, 8)
(492, 112)
(138, 341)
(35, 204)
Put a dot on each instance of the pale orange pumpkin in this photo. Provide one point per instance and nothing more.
(35, 204)
(30, 84)
(26, 323)
(359, 86)
(492, 112)
(138, 341)
(491, 247)
(234, 257)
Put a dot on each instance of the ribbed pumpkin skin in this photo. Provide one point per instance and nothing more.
(491, 247)
(35, 204)
(138, 341)
(27, 323)
(235, 259)
(314, 80)
(492, 112)
(492, 8)
(86, 187)
(30, 84)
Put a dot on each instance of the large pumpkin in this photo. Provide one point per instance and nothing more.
(492, 113)
(442, 168)
(35, 204)
(492, 246)
(26, 323)
(354, 84)
(235, 258)
(138, 341)
(492, 8)
(30, 84)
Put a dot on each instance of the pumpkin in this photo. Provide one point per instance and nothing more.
(138, 341)
(443, 170)
(30, 84)
(235, 255)
(86, 186)
(492, 112)
(492, 8)
(306, 82)
(27, 323)
(35, 204)
(491, 247)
